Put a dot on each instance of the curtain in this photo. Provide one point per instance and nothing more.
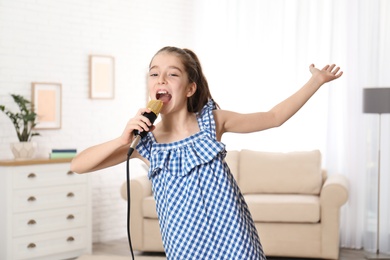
(353, 136)
(255, 53)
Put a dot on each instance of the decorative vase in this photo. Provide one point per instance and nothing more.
(23, 150)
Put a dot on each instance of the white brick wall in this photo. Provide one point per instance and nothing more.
(50, 41)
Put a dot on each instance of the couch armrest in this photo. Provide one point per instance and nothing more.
(334, 194)
(140, 182)
(140, 187)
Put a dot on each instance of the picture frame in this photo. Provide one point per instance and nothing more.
(46, 101)
(102, 77)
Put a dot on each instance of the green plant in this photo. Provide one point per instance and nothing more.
(24, 121)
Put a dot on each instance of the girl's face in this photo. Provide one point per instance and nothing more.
(168, 81)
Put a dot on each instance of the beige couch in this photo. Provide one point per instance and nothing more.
(294, 204)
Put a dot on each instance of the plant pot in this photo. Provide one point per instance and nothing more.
(23, 150)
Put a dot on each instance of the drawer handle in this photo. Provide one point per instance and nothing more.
(31, 222)
(31, 199)
(70, 217)
(70, 173)
(31, 245)
(70, 239)
(31, 175)
(70, 195)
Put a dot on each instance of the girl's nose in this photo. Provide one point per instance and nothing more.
(161, 80)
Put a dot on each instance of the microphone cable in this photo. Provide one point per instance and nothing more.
(128, 199)
(129, 153)
(155, 107)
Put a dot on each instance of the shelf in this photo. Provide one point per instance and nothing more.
(34, 161)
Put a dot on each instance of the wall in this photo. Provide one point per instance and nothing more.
(50, 41)
(249, 64)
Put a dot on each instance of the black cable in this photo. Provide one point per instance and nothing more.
(128, 199)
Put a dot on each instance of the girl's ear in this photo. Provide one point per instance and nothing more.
(191, 89)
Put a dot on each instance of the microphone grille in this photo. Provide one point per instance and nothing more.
(155, 106)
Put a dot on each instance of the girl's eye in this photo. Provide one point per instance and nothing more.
(173, 75)
(153, 74)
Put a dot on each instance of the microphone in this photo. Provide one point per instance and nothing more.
(155, 106)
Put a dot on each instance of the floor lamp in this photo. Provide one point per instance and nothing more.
(377, 101)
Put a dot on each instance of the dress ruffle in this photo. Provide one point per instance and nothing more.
(187, 155)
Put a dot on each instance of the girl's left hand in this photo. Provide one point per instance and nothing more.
(328, 73)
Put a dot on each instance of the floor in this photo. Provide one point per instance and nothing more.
(121, 247)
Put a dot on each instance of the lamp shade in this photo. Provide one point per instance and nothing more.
(376, 100)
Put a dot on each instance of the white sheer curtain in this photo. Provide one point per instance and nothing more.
(353, 136)
(255, 53)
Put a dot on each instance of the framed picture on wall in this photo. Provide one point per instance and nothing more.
(46, 101)
(102, 77)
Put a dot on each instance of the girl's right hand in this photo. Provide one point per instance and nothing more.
(138, 122)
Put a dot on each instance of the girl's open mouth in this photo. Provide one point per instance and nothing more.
(164, 96)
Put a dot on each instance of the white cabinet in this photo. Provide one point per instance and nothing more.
(45, 210)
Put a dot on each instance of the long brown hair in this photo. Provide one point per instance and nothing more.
(195, 75)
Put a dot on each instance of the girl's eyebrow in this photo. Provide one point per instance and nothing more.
(170, 67)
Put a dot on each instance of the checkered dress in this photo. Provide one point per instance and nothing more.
(202, 213)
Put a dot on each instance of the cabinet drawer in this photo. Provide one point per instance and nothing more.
(51, 175)
(49, 220)
(50, 197)
(28, 247)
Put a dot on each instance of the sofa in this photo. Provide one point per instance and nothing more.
(294, 204)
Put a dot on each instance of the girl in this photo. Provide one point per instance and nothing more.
(201, 210)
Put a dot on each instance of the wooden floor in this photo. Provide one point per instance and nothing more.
(121, 247)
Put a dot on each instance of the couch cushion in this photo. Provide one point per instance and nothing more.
(284, 208)
(275, 172)
(231, 159)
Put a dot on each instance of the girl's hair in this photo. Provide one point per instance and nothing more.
(195, 74)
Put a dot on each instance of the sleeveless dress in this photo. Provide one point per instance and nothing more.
(202, 213)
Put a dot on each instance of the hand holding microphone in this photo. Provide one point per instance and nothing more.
(155, 107)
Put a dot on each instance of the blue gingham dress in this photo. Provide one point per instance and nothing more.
(201, 211)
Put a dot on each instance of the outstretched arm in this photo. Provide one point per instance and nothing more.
(114, 151)
(228, 121)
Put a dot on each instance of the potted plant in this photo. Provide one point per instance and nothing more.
(24, 122)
